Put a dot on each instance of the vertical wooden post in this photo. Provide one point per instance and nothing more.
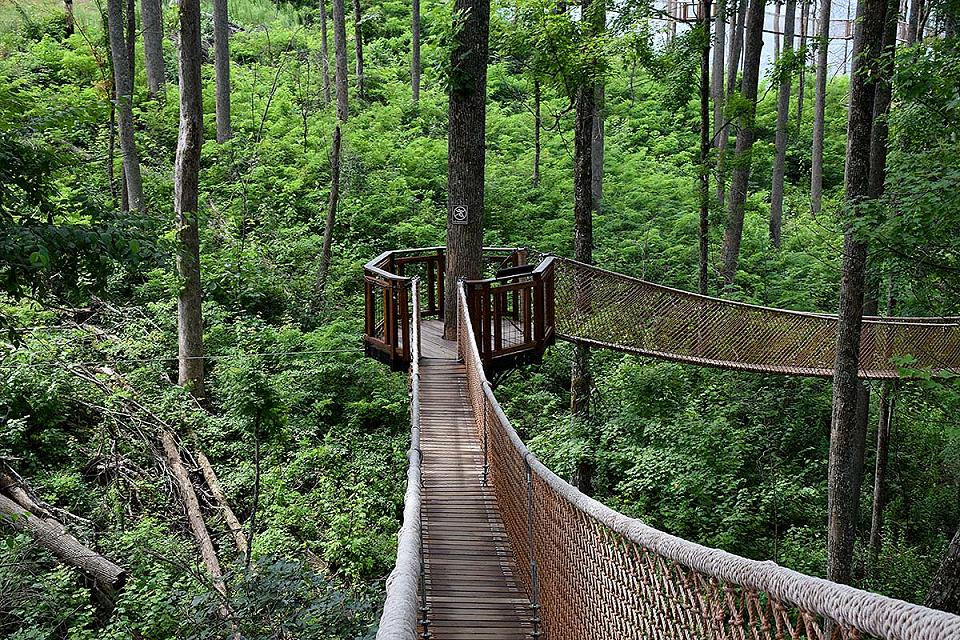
(404, 312)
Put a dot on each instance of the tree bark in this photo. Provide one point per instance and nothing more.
(53, 537)
(332, 203)
(68, 8)
(186, 201)
(733, 66)
(802, 80)
(465, 150)
(123, 82)
(913, 23)
(189, 496)
(745, 138)
(415, 53)
(848, 431)
(704, 174)
(880, 473)
(340, 59)
(336, 147)
(221, 57)
(719, 49)
(819, 110)
(324, 52)
(599, 114)
(537, 122)
(358, 47)
(229, 517)
(944, 593)
(783, 115)
(776, 30)
(151, 17)
(130, 27)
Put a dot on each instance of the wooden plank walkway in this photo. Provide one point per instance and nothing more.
(471, 587)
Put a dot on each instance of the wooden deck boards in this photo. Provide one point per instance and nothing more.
(471, 587)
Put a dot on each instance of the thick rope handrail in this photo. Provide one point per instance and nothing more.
(643, 583)
(611, 310)
(399, 619)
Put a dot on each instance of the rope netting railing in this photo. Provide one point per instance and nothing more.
(593, 572)
(403, 608)
(611, 310)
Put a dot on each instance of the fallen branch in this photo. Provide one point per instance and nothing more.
(233, 524)
(52, 536)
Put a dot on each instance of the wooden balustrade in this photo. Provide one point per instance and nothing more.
(513, 309)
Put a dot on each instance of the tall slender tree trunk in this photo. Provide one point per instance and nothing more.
(819, 110)
(776, 30)
(719, 49)
(880, 472)
(599, 114)
(221, 43)
(415, 53)
(343, 112)
(733, 66)
(537, 123)
(802, 80)
(944, 593)
(745, 138)
(913, 23)
(151, 18)
(465, 152)
(783, 116)
(704, 173)
(186, 200)
(123, 82)
(68, 8)
(358, 47)
(848, 430)
(324, 52)
(130, 27)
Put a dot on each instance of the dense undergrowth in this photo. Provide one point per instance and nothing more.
(726, 459)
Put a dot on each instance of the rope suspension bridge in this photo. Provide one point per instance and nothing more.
(495, 545)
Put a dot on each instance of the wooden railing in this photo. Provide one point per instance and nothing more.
(513, 314)
(518, 298)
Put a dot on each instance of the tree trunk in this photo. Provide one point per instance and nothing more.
(130, 37)
(186, 490)
(913, 23)
(719, 48)
(415, 54)
(672, 19)
(599, 114)
(358, 47)
(736, 46)
(536, 131)
(343, 112)
(783, 115)
(819, 110)
(848, 433)
(704, 173)
(52, 536)
(221, 58)
(802, 80)
(327, 254)
(151, 17)
(340, 59)
(123, 82)
(465, 152)
(776, 30)
(324, 52)
(229, 517)
(733, 66)
(745, 138)
(944, 593)
(880, 473)
(68, 8)
(185, 200)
